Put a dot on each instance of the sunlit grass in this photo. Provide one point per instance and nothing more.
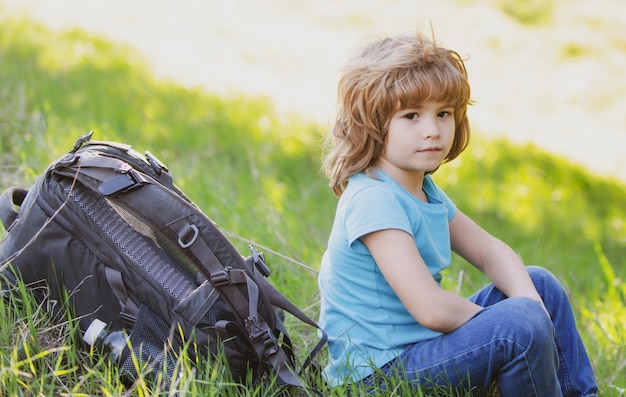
(257, 175)
(604, 317)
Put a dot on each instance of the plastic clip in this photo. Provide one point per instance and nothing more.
(259, 261)
(82, 140)
(222, 277)
(156, 164)
(253, 326)
(257, 332)
(122, 183)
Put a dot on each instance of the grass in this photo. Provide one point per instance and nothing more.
(256, 174)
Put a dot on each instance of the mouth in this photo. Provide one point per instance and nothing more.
(430, 149)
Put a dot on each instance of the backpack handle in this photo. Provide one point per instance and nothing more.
(8, 200)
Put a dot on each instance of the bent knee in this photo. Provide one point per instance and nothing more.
(542, 276)
(528, 318)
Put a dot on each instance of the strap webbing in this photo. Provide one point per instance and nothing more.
(279, 300)
(213, 267)
(129, 309)
(259, 332)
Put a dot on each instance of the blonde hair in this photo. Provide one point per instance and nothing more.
(388, 75)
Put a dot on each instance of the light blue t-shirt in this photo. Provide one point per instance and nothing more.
(366, 322)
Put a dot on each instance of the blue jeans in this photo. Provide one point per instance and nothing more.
(511, 342)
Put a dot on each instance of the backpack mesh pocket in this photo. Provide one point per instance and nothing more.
(136, 240)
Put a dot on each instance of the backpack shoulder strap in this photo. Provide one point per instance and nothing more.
(8, 200)
(258, 331)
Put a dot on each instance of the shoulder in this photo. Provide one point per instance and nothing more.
(369, 204)
(363, 181)
(374, 192)
(378, 202)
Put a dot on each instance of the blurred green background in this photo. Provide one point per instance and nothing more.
(251, 161)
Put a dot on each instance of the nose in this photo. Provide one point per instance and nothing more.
(430, 128)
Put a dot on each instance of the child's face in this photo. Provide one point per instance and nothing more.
(420, 138)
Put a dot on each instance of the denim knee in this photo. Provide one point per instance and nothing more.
(527, 322)
(550, 289)
(543, 279)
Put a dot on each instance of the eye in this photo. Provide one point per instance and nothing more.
(443, 114)
(411, 116)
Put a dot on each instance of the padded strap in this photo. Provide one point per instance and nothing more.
(10, 198)
(224, 280)
(196, 305)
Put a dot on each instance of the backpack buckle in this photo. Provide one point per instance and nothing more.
(123, 183)
(82, 140)
(253, 326)
(259, 261)
(227, 276)
(220, 278)
(156, 164)
(257, 332)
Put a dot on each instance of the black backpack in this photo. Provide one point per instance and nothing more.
(106, 230)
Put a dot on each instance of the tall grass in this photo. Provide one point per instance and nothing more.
(256, 174)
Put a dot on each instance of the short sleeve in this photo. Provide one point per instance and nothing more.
(372, 209)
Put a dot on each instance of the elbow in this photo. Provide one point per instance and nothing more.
(448, 315)
(436, 321)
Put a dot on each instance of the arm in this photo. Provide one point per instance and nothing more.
(404, 269)
(497, 260)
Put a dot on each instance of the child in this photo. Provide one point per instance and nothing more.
(401, 114)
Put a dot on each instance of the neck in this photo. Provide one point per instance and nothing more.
(411, 181)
